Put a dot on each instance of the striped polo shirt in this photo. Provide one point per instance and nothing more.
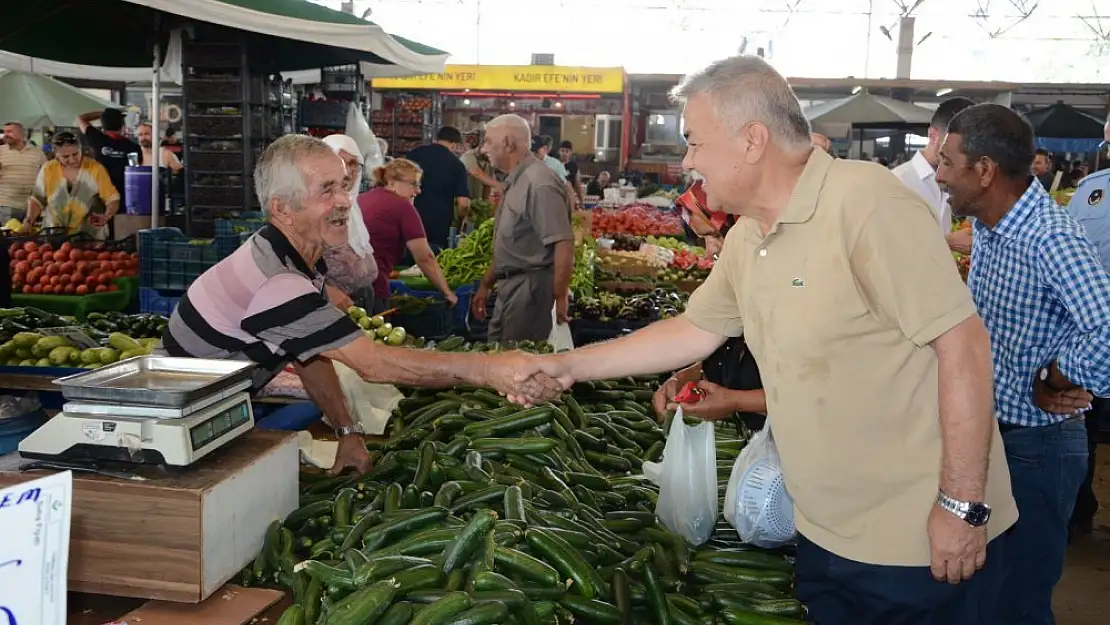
(18, 170)
(264, 304)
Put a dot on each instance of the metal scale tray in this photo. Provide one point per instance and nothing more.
(157, 381)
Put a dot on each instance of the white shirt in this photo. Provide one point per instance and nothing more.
(920, 176)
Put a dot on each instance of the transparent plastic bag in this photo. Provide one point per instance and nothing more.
(560, 337)
(756, 502)
(688, 486)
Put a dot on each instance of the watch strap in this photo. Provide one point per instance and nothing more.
(347, 430)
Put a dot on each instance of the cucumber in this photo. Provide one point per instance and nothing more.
(516, 422)
(312, 596)
(489, 580)
(329, 575)
(656, 597)
(591, 610)
(468, 540)
(706, 572)
(424, 543)
(298, 517)
(567, 560)
(622, 595)
(526, 566)
(524, 445)
(393, 494)
(607, 462)
(424, 467)
(418, 578)
(381, 567)
(344, 506)
(489, 613)
(363, 606)
(491, 493)
(397, 614)
(293, 615)
(746, 617)
(745, 559)
(447, 493)
(440, 612)
(514, 504)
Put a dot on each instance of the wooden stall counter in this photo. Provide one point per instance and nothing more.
(176, 536)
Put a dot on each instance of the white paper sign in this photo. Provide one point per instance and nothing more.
(34, 552)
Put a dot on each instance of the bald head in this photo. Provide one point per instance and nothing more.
(508, 141)
(745, 89)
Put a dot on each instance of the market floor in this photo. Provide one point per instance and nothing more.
(1083, 595)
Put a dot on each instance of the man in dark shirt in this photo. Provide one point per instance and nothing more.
(566, 154)
(109, 146)
(444, 183)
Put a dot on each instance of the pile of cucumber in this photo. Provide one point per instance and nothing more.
(477, 512)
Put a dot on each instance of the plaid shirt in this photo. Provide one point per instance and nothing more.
(1043, 294)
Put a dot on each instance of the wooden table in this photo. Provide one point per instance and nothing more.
(177, 536)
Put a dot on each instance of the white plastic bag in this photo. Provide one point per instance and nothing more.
(560, 337)
(688, 487)
(756, 502)
(369, 404)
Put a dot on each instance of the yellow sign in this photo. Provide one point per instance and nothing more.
(536, 78)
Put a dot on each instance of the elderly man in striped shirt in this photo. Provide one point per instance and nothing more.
(266, 303)
(1045, 297)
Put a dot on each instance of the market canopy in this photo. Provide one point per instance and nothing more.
(35, 100)
(863, 109)
(1062, 128)
(294, 34)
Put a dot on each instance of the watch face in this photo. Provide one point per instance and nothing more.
(978, 514)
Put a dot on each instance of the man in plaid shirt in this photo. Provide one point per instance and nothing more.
(1045, 298)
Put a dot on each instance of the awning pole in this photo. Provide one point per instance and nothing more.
(156, 134)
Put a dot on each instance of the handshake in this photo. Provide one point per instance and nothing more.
(527, 379)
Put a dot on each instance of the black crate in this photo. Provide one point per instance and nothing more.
(221, 126)
(231, 197)
(214, 55)
(434, 323)
(201, 91)
(322, 114)
(216, 161)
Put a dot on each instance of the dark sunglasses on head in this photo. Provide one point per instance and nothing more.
(63, 139)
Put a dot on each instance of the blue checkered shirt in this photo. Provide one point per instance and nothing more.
(1044, 295)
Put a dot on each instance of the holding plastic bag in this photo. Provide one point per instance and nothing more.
(756, 501)
(688, 485)
(560, 337)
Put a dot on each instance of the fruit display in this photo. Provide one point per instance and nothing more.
(42, 268)
(96, 325)
(687, 266)
(623, 242)
(377, 328)
(34, 349)
(481, 512)
(638, 219)
(468, 262)
(639, 263)
(671, 243)
(658, 304)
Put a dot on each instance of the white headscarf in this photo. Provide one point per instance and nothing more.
(357, 235)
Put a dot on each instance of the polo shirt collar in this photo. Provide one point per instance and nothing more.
(1015, 220)
(520, 169)
(283, 248)
(807, 191)
(922, 167)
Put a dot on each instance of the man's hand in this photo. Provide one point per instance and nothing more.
(1058, 394)
(451, 298)
(562, 309)
(522, 378)
(717, 403)
(959, 241)
(661, 400)
(478, 306)
(958, 550)
(339, 299)
(351, 453)
(713, 246)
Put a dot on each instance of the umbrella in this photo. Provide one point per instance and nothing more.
(35, 100)
(865, 109)
(1061, 121)
(293, 34)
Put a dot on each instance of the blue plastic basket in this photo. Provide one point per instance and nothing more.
(15, 429)
(436, 322)
(157, 301)
(465, 294)
(170, 260)
(236, 227)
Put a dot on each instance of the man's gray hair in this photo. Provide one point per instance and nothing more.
(18, 125)
(516, 125)
(277, 174)
(746, 88)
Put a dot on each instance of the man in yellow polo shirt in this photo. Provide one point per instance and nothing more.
(19, 166)
(876, 368)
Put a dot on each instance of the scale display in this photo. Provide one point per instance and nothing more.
(217, 425)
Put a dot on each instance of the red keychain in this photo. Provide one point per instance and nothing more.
(689, 394)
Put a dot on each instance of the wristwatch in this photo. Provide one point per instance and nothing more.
(1044, 375)
(349, 429)
(975, 513)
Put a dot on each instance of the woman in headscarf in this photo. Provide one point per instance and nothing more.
(351, 267)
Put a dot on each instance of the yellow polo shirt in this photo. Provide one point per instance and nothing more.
(839, 303)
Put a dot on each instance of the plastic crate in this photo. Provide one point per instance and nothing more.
(322, 114)
(229, 196)
(157, 301)
(223, 126)
(223, 162)
(81, 305)
(15, 429)
(237, 227)
(458, 314)
(170, 260)
(435, 323)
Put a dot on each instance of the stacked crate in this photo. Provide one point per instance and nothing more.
(233, 110)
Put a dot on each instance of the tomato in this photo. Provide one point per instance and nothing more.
(92, 281)
(51, 269)
(65, 279)
(20, 254)
(104, 278)
(68, 289)
(100, 288)
(104, 256)
(82, 266)
(64, 250)
(47, 256)
(30, 246)
(67, 267)
(37, 288)
(89, 255)
(113, 287)
(82, 289)
(21, 266)
(15, 247)
(75, 255)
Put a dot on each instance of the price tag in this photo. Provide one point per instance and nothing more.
(34, 554)
(75, 336)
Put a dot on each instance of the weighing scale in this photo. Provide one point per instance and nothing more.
(147, 410)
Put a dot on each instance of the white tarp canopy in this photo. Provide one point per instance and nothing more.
(837, 117)
(37, 101)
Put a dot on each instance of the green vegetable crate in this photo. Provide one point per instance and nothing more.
(81, 305)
